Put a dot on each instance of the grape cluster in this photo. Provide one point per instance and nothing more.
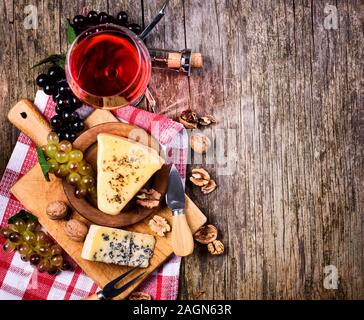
(66, 162)
(81, 23)
(34, 246)
(66, 122)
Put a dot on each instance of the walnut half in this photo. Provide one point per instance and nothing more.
(200, 143)
(140, 296)
(207, 120)
(159, 225)
(216, 248)
(210, 187)
(206, 234)
(149, 199)
(200, 177)
(189, 119)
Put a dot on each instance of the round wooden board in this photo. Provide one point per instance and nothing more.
(87, 143)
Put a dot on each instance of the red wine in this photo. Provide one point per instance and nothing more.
(108, 68)
(105, 65)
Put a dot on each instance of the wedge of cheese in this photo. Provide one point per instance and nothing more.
(119, 247)
(123, 168)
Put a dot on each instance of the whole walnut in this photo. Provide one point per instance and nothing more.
(76, 230)
(57, 210)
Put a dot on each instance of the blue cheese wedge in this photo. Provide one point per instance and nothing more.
(123, 168)
(119, 247)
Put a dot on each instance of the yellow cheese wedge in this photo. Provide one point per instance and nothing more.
(123, 168)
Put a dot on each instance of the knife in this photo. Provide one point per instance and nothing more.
(182, 239)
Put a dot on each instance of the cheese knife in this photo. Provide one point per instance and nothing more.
(182, 239)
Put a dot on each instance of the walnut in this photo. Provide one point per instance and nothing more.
(159, 225)
(57, 210)
(200, 177)
(189, 119)
(76, 230)
(216, 247)
(140, 296)
(206, 234)
(149, 199)
(200, 143)
(210, 187)
(206, 120)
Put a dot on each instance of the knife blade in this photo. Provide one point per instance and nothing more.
(182, 239)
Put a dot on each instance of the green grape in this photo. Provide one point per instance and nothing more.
(54, 166)
(24, 249)
(57, 261)
(73, 178)
(32, 225)
(29, 236)
(92, 191)
(88, 181)
(43, 265)
(15, 237)
(72, 166)
(65, 146)
(56, 250)
(62, 157)
(20, 225)
(5, 232)
(44, 250)
(80, 193)
(53, 138)
(51, 150)
(76, 155)
(85, 169)
(9, 246)
(40, 236)
(62, 171)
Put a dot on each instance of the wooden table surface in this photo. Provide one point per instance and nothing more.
(288, 96)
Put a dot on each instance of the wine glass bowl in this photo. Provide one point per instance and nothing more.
(108, 67)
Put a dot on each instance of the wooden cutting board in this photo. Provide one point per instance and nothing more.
(34, 192)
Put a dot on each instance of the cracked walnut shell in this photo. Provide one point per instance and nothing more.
(200, 143)
(207, 120)
(159, 225)
(216, 248)
(210, 187)
(149, 199)
(140, 296)
(206, 234)
(200, 177)
(189, 119)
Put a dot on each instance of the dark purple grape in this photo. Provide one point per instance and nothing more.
(66, 116)
(78, 126)
(42, 80)
(70, 136)
(134, 27)
(53, 271)
(60, 109)
(74, 116)
(79, 21)
(74, 102)
(66, 266)
(122, 18)
(14, 237)
(56, 121)
(56, 73)
(64, 89)
(34, 259)
(50, 89)
(92, 17)
(61, 134)
(103, 17)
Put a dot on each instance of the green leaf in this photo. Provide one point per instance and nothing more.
(24, 215)
(58, 59)
(71, 33)
(43, 163)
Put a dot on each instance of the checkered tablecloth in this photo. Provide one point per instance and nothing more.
(18, 279)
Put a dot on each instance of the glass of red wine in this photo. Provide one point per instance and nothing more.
(108, 67)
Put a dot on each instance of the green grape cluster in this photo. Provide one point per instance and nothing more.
(34, 246)
(68, 163)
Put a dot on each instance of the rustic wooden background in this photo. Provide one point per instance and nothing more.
(291, 92)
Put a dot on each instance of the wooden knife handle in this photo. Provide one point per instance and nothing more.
(182, 239)
(27, 118)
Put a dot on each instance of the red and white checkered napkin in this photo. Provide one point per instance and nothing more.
(19, 280)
